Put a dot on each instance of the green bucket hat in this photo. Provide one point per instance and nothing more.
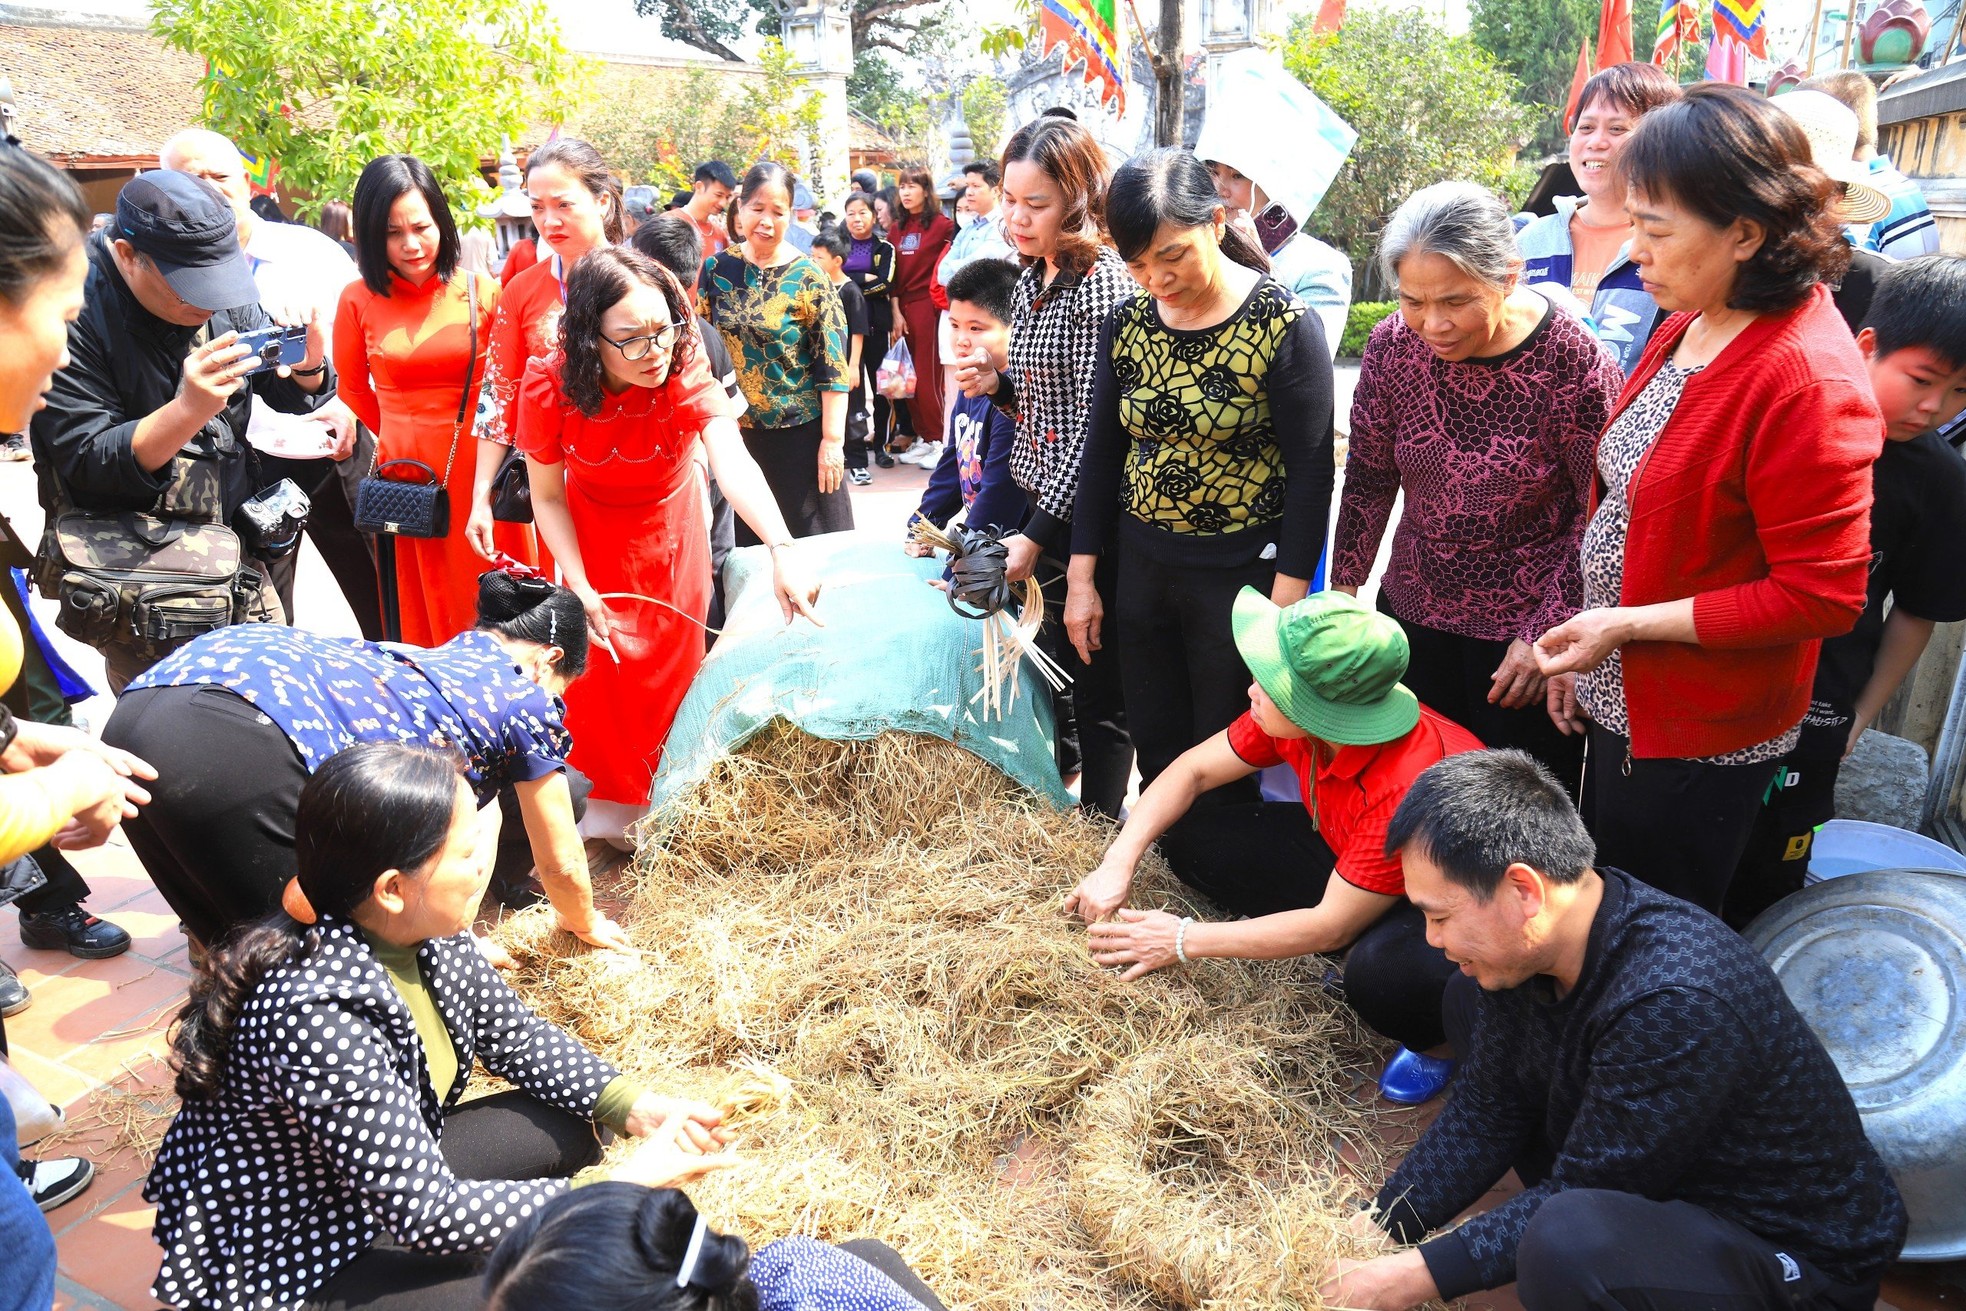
(1331, 664)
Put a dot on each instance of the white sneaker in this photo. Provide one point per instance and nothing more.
(925, 454)
(52, 1182)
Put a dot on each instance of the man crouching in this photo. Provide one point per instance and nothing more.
(1682, 1137)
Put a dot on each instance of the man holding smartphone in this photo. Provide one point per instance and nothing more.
(150, 413)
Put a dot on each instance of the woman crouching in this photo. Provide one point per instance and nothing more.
(321, 1157)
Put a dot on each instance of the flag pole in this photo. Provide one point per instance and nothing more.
(1849, 35)
(1816, 37)
(1957, 24)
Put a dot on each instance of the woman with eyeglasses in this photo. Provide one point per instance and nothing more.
(615, 427)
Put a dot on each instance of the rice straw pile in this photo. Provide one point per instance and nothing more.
(859, 947)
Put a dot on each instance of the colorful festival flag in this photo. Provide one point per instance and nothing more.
(1727, 58)
(1679, 26)
(1088, 31)
(1614, 33)
(1742, 19)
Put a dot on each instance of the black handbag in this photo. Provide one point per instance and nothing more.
(406, 498)
(511, 490)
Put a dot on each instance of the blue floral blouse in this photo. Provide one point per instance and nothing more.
(329, 693)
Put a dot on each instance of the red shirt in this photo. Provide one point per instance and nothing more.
(711, 229)
(918, 248)
(1353, 794)
(1755, 502)
(523, 255)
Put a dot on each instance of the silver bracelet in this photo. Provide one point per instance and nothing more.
(1181, 939)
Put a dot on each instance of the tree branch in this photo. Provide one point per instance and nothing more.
(880, 13)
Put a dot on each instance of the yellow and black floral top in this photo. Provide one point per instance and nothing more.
(786, 333)
(1215, 442)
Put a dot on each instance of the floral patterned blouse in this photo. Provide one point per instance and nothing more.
(786, 333)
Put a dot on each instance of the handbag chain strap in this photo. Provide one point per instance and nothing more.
(464, 398)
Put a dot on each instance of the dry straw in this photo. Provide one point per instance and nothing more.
(860, 948)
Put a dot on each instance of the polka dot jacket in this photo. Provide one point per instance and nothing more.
(324, 1136)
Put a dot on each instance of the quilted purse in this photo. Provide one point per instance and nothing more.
(406, 498)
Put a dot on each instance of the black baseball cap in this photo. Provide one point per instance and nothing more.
(188, 230)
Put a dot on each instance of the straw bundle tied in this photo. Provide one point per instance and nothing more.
(978, 589)
(859, 949)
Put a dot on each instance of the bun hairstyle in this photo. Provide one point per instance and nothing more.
(585, 163)
(1169, 186)
(375, 807)
(531, 609)
(616, 1246)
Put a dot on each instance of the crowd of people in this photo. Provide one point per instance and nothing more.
(1673, 502)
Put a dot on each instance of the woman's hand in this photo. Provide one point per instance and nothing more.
(1141, 940)
(899, 330)
(797, 591)
(1560, 696)
(975, 375)
(95, 798)
(1084, 615)
(1101, 892)
(495, 955)
(601, 931)
(1020, 557)
(1516, 681)
(598, 626)
(1582, 643)
(478, 529)
(661, 1160)
(694, 1125)
(832, 464)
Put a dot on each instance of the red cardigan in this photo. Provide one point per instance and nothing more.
(913, 270)
(1754, 501)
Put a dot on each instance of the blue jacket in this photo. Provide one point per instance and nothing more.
(1622, 313)
(27, 1275)
(973, 474)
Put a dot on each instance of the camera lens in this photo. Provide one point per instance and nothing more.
(269, 354)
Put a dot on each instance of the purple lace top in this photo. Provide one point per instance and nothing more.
(1495, 457)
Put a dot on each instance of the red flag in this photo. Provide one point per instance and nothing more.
(1614, 34)
(1577, 80)
(1330, 16)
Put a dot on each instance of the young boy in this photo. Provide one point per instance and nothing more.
(829, 251)
(973, 474)
(1914, 344)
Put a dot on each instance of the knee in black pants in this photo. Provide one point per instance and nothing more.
(1569, 1246)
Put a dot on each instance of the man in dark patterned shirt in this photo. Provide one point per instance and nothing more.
(1682, 1137)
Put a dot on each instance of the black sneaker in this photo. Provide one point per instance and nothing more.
(882, 458)
(75, 931)
(53, 1182)
(13, 448)
(13, 993)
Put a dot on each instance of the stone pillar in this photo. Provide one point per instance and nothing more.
(1228, 26)
(820, 38)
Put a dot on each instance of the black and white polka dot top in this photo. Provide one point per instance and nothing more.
(324, 1135)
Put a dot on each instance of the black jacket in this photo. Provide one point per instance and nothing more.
(125, 363)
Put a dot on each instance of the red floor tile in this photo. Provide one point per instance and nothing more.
(112, 1254)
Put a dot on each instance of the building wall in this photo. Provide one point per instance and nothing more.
(1932, 149)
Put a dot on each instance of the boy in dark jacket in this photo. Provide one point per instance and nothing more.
(973, 475)
(1914, 347)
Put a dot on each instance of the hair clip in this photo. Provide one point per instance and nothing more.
(688, 1269)
(505, 564)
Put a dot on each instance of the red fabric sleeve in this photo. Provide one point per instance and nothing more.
(696, 394)
(1808, 490)
(541, 413)
(1252, 744)
(351, 357)
(1362, 859)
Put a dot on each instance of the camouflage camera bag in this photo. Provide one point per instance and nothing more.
(142, 581)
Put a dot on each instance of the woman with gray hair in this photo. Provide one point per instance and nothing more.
(1482, 402)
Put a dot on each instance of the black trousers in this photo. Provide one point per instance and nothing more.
(1183, 678)
(1803, 796)
(789, 458)
(1258, 858)
(509, 1135)
(1680, 825)
(1094, 702)
(1452, 676)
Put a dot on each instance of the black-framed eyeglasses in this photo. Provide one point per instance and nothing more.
(638, 348)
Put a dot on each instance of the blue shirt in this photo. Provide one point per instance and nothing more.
(27, 1274)
(1622, 313)
(329, 693)
(1909, 230)
(973, 474)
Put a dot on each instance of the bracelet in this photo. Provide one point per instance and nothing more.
(1181, 939)
(314, 372)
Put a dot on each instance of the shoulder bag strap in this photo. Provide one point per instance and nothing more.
(470, 369)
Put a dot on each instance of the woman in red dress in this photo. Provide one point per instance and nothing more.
(616, 428)
(920, 237)
(403, 351)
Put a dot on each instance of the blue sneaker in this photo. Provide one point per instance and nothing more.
(1412, 1079)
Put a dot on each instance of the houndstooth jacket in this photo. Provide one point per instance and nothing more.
(324, 1135)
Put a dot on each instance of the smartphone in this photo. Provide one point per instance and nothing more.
(275, 346)
(1274, 226)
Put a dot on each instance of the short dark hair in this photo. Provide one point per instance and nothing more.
(1476, 813)
(42, 219)
(988, 284)
(674, 242)
(598, 281)
(1636, 88)
(832, 241)
(1061, 111)
(1164, 186)
(585, 163)
(1922, 302)
(617, 1244)
(987, 170)
(1071, 157)
(383, 182)
(1726, 153)
(714, 170)
(767, 173)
